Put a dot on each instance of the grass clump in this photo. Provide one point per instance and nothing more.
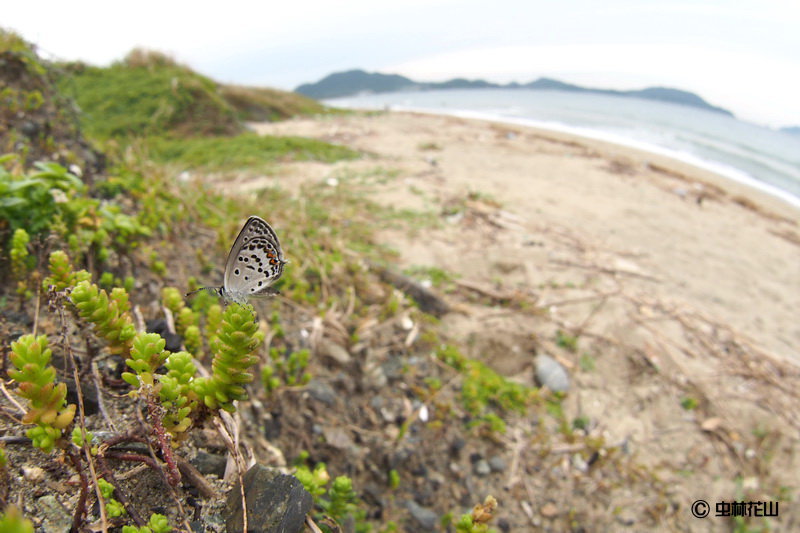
(247, 150)
(261, 104)
(148, 93)
(483, 389)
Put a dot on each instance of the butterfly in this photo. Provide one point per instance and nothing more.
(254, 263)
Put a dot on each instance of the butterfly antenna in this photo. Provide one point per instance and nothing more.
(216, 290)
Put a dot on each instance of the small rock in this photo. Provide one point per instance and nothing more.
(579, 463)
(497, 463)
(548, 510)
(53, 515)
(275, 503)
(456, 446)
(321, 391)
(550, 374)
(30, 129)
(338, 353)
(33, 473)
(711, 424)
(482, 468)
(210, 464)
(426, 518)
(160, 326)
(626, 517)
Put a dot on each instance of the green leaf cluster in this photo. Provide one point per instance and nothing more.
(282, 370)
(342, 500)
(109, 314)
(12, 521)
(36, 200)
(49, 411)
(187, 320)
(61, 274)
(157, 524)
(113, 507)
(21, 261)
(177, 397)
(233, 348)
(339, 501)
(147, 354)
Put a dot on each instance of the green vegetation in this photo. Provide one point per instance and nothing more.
(257, 104)
(567, 341)
(339, 501)
(147, 93)
(113, 507)
(12, 521)
(106, 253)
(243, 151)
(35, 377)
(483, 388)
(157, 524)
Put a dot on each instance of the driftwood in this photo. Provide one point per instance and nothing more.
(428, 301)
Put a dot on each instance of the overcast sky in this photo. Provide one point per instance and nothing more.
(743, 55)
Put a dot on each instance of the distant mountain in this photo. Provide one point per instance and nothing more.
(792, 130)
(354, 82)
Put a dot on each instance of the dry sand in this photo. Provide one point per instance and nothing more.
(678, 283)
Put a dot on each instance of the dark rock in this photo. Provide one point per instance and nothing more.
(29, 128)
(209, 463)
(497, 463)
(91, 405)
(456, 446)
(159, 326)
(321, 392)
(276, 503)
(426, 518)
(273, 427)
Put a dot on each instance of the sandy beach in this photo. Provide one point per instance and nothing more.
(678, 283)
(713, 244)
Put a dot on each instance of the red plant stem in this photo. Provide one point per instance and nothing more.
(154, 414)
(80, 508)
(132, 457)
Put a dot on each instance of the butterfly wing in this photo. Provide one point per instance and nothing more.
(255, 261)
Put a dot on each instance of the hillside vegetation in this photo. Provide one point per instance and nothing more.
(97, 264)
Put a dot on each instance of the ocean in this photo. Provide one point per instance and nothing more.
(758, 156)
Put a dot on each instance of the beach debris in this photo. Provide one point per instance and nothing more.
(428, 301)
(551, 374)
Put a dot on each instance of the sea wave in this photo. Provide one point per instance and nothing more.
(731, 160)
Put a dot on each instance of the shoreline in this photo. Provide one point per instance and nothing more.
(741, 181)
(714, 245)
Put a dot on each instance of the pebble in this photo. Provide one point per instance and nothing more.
(548, 510)
(482, 468)
(210, 464)
(33, 473)
(426, 518)
(53, 515)
(497, 463)
(321, 391)
(550, 374)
